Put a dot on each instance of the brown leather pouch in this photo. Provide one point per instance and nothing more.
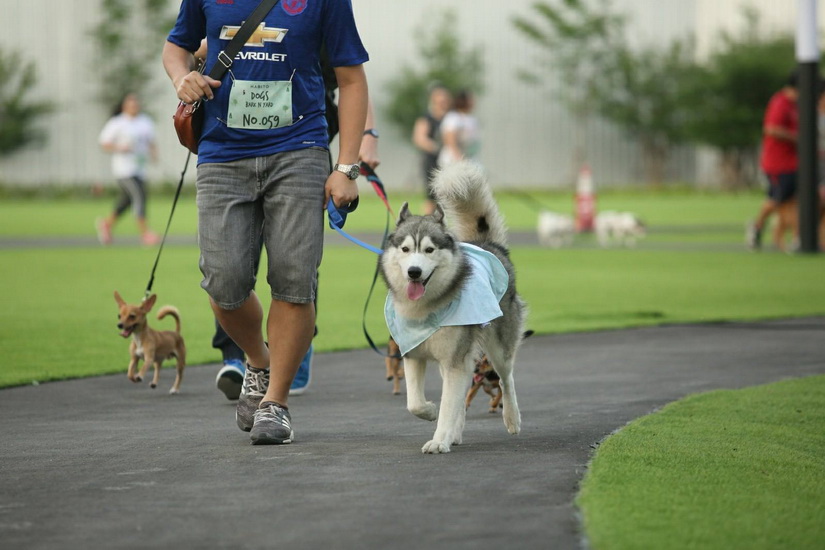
(189, 124)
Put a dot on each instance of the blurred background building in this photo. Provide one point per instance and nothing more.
(527, 134)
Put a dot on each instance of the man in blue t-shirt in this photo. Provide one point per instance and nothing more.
(264, 176)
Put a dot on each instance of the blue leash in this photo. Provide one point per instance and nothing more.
(337, 218)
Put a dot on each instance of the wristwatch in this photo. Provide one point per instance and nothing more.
(351, 170)
(371, 132)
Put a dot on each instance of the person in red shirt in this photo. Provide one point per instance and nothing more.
(779, 159)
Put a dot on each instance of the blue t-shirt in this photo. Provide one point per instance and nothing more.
(288, 49)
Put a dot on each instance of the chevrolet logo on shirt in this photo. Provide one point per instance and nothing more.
(262, 34)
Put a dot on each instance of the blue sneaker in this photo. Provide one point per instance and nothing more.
(302, 378)
(230, 378)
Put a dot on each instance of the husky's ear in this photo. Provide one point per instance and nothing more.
(438, 214)
(404, 214)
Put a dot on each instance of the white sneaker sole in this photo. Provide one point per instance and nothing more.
(229, 381)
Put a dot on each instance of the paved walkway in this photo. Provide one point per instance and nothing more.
(102, 463)
(680, 239)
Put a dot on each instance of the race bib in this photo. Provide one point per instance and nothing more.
(257, 105)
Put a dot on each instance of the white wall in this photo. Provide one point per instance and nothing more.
(527, 135)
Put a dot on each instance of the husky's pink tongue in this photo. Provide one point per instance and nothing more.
(415, 290)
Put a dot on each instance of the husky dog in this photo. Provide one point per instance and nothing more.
(452, 296)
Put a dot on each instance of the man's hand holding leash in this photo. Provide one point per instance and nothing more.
(190, 86)
(352, 114)
(340, 189)
(194, 87)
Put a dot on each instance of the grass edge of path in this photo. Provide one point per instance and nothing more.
(719, 469)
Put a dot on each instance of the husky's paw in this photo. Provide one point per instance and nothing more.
(153, 385)
(136, 378)
(434, 447)
(512, 422)
(173, 391)
(428, 411)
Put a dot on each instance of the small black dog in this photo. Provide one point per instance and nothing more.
(484, 376)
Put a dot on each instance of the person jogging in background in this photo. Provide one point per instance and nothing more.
(129, 136)
(779, 159)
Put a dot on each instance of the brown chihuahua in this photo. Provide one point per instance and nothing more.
(153, 346)
(485, 377)
(395, 368)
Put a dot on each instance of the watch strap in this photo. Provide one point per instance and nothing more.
(348, 169)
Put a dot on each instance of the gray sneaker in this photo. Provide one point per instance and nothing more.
(273, 425)
(255, 383)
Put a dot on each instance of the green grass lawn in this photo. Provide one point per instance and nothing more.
(34, 218)
(722, 470)
(59, 300)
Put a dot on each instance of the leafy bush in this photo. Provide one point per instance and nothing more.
(129, 38)
(660, 95)
(19, 114)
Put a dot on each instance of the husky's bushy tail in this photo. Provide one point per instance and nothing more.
(464, 194)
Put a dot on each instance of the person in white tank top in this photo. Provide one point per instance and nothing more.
(129, 136)
(460, 132)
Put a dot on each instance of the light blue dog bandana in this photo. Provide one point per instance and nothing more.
(476, 304)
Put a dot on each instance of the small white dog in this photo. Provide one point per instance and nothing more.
(618, 228)
(555, 230)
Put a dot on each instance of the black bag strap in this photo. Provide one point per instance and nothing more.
(168, 224)
(227, 56)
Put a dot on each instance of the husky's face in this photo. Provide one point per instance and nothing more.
(416, 252)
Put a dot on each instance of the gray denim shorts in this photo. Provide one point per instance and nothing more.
(276, 201)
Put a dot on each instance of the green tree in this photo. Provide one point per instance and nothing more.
(19, 114)
(645, 92)
(575, 39)
(731, 92)
(129, 38)
(587, 62)
(445, 62)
